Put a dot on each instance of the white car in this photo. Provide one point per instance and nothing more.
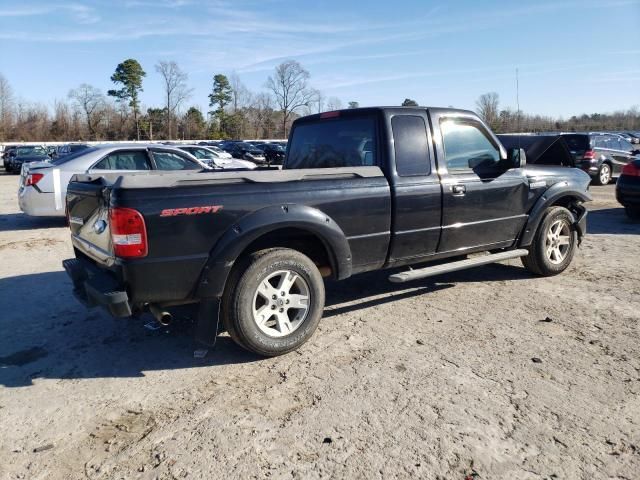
(43, 185)
(214, 159)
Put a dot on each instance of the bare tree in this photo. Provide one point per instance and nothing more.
(333, 103)
(290, 88)
(488, 108)
(259, 115)
(175, 88)
(6, 105)
(91, 101)
(240, 94)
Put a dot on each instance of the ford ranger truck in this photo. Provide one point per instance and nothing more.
(360, 190)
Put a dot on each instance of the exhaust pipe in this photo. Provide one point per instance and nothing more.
(162, 316)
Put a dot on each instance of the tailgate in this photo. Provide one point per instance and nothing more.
(88, 214)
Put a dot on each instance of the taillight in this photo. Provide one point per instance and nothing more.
(128, 233)
(333, 114)
(32, 179)
(631, 170)
(589, 155)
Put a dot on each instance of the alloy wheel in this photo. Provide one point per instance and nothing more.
(605, 174)
(558, 241)
(281, 303)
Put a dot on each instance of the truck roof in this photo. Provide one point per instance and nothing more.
(379, 109)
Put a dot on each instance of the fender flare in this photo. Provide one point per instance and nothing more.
(269, 219)
(550, 197)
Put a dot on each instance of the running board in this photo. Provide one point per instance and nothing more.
(455, 266)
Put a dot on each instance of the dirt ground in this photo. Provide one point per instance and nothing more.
(488, 373)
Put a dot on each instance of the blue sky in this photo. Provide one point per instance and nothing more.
(573, 56)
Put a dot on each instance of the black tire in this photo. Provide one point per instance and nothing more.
(632, 212)
(539, 261)
(603, 171)
(241, 295)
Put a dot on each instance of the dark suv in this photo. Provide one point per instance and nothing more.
(273, 152)
(601, 155)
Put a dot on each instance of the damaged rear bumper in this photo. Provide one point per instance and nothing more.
(94, 287)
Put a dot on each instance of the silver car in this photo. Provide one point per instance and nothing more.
(43, 185)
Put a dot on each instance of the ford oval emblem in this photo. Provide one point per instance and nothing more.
(99, 226)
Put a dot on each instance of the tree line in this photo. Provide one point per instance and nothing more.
(234, 111)
(508, 120)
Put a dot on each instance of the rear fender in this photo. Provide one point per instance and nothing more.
(558, 194)
(237, 238)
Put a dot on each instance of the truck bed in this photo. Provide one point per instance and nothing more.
(355, 201)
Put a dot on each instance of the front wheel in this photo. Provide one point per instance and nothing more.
(553, 245)
(273, 301)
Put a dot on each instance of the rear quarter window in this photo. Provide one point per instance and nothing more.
(411, 145)
(336, 142)
(577, 143)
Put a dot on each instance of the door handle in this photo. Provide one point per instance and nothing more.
(458, 189)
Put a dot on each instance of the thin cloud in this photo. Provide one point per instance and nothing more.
(80, 13)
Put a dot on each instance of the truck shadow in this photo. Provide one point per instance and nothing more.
(51, 336)
(20, 221)
(372, 289)
(611, 221)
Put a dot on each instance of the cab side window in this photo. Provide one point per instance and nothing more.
(124, 160)
(467, 146)
(411, 145)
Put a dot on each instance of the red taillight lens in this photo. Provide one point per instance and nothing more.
(333, 114)
(589, 155)
(128, 233)
(631, 169)
(33, 178)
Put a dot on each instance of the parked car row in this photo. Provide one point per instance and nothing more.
(260, 152)
(601, 155)
(43, 185)
(216, 158)
(43, 182)
(14, 156)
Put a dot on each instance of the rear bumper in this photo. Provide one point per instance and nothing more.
(37, 204)
(94, 287)
(588, 167)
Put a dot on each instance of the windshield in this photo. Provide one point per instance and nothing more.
(65, 159)
(23, 151)
(200, 153)
(77, 148)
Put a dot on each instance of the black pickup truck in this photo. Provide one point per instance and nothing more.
(360, 190)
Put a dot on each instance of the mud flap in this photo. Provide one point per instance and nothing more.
(208, 322)
(581, 223)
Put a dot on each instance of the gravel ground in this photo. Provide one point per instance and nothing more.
(487, 373)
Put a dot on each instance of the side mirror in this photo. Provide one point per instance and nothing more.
(517, 158)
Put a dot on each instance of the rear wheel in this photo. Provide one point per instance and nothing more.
(604, 175)
(273, 301)
(554, 243)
